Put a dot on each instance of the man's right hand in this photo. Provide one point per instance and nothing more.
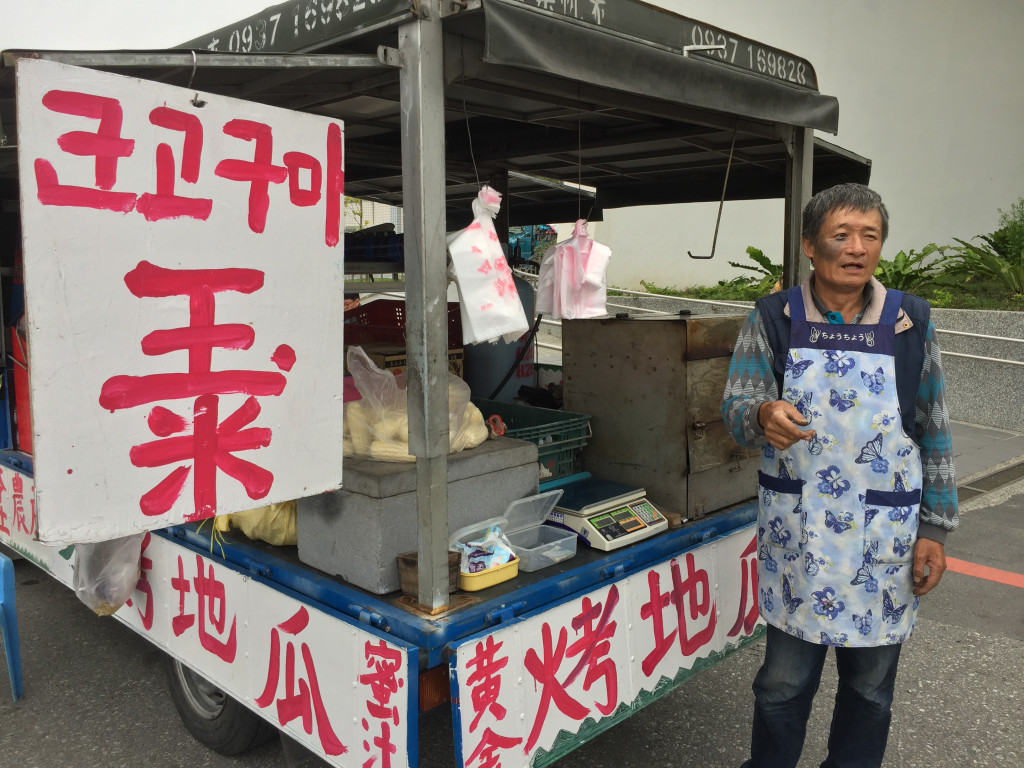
(782, 421)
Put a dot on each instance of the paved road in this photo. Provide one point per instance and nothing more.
(96, 696)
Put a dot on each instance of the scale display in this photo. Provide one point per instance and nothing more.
(607, 515)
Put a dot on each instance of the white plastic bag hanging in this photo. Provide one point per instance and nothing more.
(490, 304)
(105, 573)
(572, 281)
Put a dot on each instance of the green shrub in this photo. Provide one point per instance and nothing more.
(913, 271)
(975, 261)
(770, 273)
(1008, 241)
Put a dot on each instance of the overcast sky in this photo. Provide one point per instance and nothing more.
(103, 24)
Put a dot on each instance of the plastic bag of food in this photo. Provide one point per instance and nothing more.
(106, 573)
(489, 301)
(274, 524)
(490, 551)
(377, 426)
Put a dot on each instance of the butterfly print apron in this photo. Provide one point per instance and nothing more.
(838, 515)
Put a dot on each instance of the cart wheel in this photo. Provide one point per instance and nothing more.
(215, 719)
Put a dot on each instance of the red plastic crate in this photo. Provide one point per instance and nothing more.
(383, 322)
(19, 356)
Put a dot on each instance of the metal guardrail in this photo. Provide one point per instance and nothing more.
(748, 305)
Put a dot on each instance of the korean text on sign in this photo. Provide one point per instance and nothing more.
(195, 242)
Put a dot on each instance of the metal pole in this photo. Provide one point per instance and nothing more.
(799, 188)
(423, 191)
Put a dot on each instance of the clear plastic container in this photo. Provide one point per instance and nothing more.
(537, 545)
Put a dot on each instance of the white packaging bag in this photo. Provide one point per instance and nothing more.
(572, 282)
(490, 304)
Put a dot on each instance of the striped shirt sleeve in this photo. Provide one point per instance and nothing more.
(751, 382)
(935, 438)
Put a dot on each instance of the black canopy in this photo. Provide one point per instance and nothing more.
(548, 99)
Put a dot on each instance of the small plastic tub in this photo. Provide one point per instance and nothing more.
(471, 582)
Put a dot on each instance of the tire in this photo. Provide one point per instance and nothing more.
(216, 720)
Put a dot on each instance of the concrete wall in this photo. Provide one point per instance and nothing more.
(925, 90)
(978, 391)
(982, 392)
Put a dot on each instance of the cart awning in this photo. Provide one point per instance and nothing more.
(519, 36)
(541, 100)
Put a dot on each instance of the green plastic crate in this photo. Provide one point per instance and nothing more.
(559, 435)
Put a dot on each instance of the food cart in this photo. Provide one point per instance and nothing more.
(152, 191)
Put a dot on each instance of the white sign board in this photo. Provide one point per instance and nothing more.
(536, 688)
(18, 526)
(341, 689)
(184, 281)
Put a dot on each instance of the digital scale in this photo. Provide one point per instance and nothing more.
(605, 514)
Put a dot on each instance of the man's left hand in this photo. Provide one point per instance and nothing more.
(929, 556)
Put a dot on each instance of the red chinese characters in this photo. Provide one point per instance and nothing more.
(596, 628)
(210, 608)
(213, 442)
(383, 680)
(301, 697)
(488, 751)
(694, 612)
(484, 683)
(748, 613)
(26, 525)
(145, 588)
(4, 527)
(309, 182)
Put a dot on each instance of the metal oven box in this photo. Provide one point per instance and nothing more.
(653, 387)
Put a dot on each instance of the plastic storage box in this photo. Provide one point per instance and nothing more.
(537, 545)
(559, 435)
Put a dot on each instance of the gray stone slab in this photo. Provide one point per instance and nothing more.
(380, 479)
(358, 536)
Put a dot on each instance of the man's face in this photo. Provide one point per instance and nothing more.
(846, 250)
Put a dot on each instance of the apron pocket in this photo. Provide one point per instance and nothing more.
(890, 524)
(782, 522)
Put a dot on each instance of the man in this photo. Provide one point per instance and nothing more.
(840, 382)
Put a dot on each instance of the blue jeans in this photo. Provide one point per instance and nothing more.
(784, 689)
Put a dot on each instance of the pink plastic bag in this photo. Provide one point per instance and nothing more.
(572, 280)
(490, 304)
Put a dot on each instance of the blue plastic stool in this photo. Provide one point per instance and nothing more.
(9, 625)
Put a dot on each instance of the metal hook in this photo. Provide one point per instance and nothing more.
(721, 202)
(196, 101)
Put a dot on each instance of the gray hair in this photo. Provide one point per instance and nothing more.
(855, 197)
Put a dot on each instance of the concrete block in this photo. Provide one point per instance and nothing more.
(358, 532)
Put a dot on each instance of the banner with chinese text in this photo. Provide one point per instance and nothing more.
(543, 684)
(334, 685)
(184, 281)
